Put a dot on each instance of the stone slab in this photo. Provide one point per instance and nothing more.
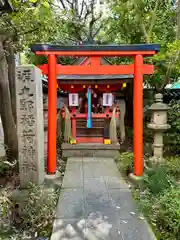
(135, 229)
(90, 150)
(71, 204)
(75, 159)
(105, 160)
(98, 202)
(92, 170)
(103, 206)
(90, 159)
(115, 183)
(109, 169)
(123, 203)
(73, 179)
(89, 153)
(92, 146)
(74, 166)
(95, 185)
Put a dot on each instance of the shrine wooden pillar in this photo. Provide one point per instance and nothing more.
(52, 112)
(138, 115)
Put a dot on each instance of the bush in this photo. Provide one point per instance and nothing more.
(38, 211)
(157, 180)
(158, 196)
(172, 137)
(162, 212)
(167, 214)
(125, 162)
(172, 167)
(28, 214)
(5, 206)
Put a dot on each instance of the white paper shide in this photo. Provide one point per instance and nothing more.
(107, 99)
(73, 99)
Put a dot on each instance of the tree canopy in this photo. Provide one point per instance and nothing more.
(69, 21)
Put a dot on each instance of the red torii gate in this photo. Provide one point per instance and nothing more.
(95, 52)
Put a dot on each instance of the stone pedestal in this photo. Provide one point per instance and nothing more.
(158, 125)
(30, 125)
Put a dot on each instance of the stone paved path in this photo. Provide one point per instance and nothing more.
(96, 203)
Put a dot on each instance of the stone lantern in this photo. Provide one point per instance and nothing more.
(158, 125)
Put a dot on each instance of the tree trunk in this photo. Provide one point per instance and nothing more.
(9, 127)
(178, 20)
(11, 75)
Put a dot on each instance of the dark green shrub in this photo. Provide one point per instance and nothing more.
(157, 180)
(38, 211)
(5, 166)
(125, 162)
(172, 137)
(172, 167)
(167, 214)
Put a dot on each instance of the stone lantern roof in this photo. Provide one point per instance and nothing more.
(158, 105)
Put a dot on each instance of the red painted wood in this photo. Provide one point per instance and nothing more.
(95, 61)
(97, 53)
(94, 115)
(44, 68)
(138, 115)
(90, 140)
(52, 112)
(98, 70)
(101, 87)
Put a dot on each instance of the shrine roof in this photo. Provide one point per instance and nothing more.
(93, 77)
(94, 48)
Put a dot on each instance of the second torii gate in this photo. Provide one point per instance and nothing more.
(95, 52)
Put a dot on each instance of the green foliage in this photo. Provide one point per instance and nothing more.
(125, 162)
(142, 21)
(167, 213)
(5, 166)
(167, 65)
(172, 137)
(30, 22)
(172, 167)
(38, 212)
(32, 214)
(159, 196)
(5, 205)
(157, 180)
(162, 212)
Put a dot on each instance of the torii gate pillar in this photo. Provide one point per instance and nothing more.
(52, 113)
(138, 115)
